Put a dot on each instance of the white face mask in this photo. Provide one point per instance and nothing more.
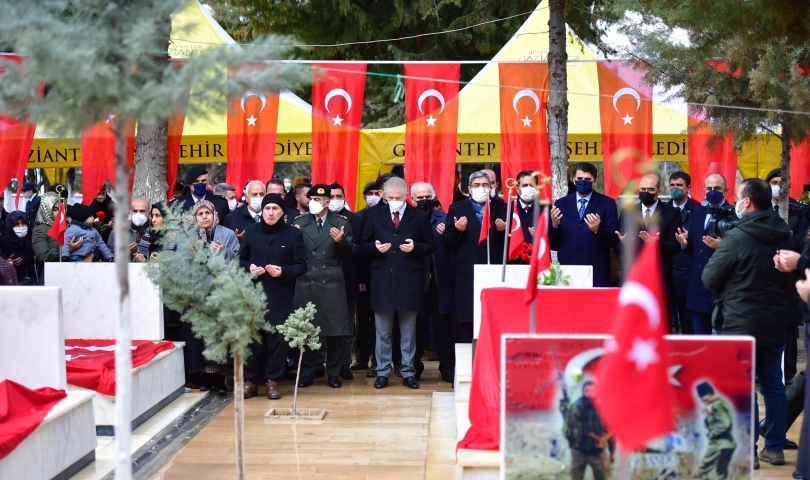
(395, 205)
(737, 209)
(21, 231)
(492, 193)
(256, 203)
(372, 200)
(138, 219)
(775, 189)
(478, 194)
(527, 194)
(232, 204)
(337, 205)
(28, 195)
(287, 185)
(315, 207)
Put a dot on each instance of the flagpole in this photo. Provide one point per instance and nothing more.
(59, 189)
(535, 218)
(489, 229)
(508, 227)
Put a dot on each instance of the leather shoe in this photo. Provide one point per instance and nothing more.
(371, 372)
(250, 389)
(305, 382)
(410, 382)
(272, 390)
(449, 377)
(790, 445)
(346, 373)
(334, 382)
(381, 382)
(798, 474)
(359, 366)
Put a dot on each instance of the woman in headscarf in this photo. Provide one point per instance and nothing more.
(204, 373)
(150, 243)
(16, 245)
(45, 248)
(273, 252)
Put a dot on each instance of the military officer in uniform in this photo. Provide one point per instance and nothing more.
(720, 432)
(328, 240)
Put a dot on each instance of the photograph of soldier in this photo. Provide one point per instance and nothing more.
(588, 438)
(719, 430)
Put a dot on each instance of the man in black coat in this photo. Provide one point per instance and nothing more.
(250, 213)
(680, 184)
(29, 191)
(274, 253)
(396, 239)
(461, 240)
(277, 186)
(197, 181)
(657, 223)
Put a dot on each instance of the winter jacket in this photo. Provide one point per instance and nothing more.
(45, 248)
(751, 296)
(92, 242)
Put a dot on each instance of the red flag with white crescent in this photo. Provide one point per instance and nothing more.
(59, 226)
(633, 374)
(516, 239)
(625, 112)
(541, 255)
(252, 122)
(431, 131)
(16, 138)
(703, 162)
(524, 137)
(98, 155)
(799, 167)
(337, 109)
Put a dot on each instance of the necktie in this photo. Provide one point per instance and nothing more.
(647, 217)
(258, 218)
(396, 220)
(526, 208)
(776, 208)
(684, 214)
(320, 224)
(582, 203)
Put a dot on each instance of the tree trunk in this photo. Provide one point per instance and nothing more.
(297, 379)
(123, 340)
(784, 193)
(150, 162)
(558, 99)
(239, 414)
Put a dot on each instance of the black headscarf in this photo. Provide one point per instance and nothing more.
(280, 224)
(107, 207)
(79, 213)
(11, 244)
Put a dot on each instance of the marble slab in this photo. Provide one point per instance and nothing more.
(90, 297)
(516, 276)
(66, 439)
(32, 345)
(152, 383)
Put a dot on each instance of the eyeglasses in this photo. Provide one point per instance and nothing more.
(716, 189)
(648, 190)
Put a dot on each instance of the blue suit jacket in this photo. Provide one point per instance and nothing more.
(682, 262)
(698, 297)
(443, 267)
(577, 245)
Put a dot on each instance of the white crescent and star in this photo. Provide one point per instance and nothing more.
(335, 92)
(527, 122)
(627, 119)
(635, 293)
(541, 251)
(111, 119)
(515, 222)
(431, 122)
(253, 93)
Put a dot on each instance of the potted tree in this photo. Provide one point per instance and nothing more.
(299, 332)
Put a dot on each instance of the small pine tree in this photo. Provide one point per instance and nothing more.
(300, 333)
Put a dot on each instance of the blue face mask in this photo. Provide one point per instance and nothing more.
(714, 197)
(199, 189)
(584, 187)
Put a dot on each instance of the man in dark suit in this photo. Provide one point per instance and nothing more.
(696, 241)
(365, 331)
(680, 184)
(525, 204)
(197, 181)
(460, 239)
(250, 213)
(493, 192)
(29, 192)
(657, 223)
(583, 226)
(351, 269)
(396, 239)
(439, 302)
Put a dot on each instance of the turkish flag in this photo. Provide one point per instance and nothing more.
(16, 138)
(541, 255)
(516, 239)
(252, 122)
(22, 410)
(59, 226)
(98, 155)
(175, 139)
(799, 167)
(625, 111)
(485, 224)
(337, 108)
(524, 137)
(431, 131)
(703, 162)
(632, 382)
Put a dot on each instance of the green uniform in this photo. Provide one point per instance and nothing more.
(323, 284)
(588, 439)
(719, 424)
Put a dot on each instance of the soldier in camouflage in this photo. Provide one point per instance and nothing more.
(590, 442)
(719, 426)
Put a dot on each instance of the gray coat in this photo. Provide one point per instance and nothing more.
(323, 284)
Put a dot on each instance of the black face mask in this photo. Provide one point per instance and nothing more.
(647, 198)
(425, 205)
